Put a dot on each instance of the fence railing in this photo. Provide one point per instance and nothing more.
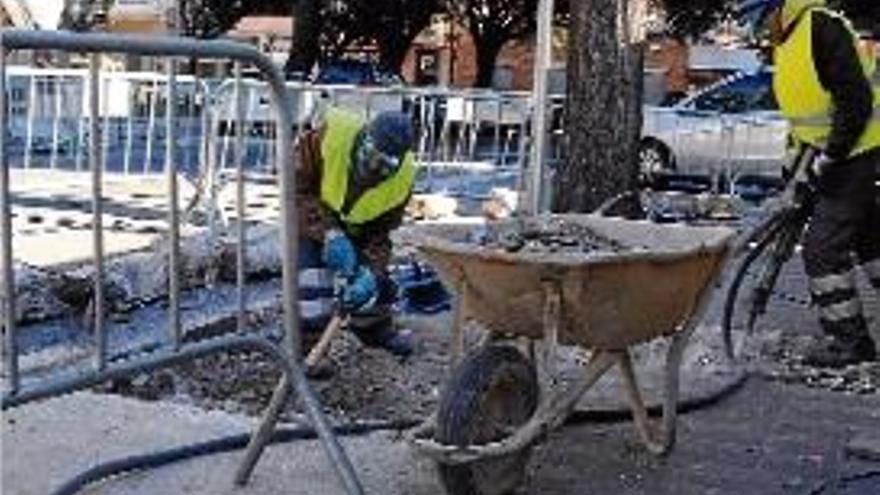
(468, 141)
(286, 357)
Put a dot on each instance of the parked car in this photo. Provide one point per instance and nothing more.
(732, 130)
(355, 72)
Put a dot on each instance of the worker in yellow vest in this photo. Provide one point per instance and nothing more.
(353, 181)
(828, 87)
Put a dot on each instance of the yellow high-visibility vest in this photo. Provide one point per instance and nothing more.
(803, 100)
(336, 149)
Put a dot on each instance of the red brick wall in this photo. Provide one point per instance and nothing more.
(516, 56)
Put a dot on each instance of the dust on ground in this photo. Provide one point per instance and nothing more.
(366, 384)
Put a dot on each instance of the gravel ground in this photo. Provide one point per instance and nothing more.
(367, 383)
(370, 384)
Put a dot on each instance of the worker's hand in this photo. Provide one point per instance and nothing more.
(821, 164)
(339, 253)
(361, 291)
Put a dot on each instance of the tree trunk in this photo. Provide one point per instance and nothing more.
(306, 47)
(603, 119)
(392, 52)
(487, 53)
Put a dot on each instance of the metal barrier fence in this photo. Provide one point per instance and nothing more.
(468, 141)
(286, 357)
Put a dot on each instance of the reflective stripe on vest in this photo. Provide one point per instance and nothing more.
(336, 149)
(803, 100)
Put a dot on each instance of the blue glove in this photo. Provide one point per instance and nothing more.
(339, 254)
(361, 291)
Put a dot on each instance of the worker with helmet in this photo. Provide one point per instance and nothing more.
(353, 181)
(828, 88)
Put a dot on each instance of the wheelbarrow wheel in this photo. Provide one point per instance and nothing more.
(492, 392)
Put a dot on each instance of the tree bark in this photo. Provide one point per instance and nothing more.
(487, 53)
(306, 47)
(604, 116)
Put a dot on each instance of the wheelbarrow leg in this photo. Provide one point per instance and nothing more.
(661, 443)
(657, 442)
(458, 322)
(545, 358)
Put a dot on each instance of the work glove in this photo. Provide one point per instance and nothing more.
(339, 253)
(820, 165)
(361, 291)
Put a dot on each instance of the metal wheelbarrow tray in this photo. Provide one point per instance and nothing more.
(503, 396)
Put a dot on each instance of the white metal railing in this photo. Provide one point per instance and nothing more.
(173, 349)
(467, 140)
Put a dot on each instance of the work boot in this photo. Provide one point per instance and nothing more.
(833, 352)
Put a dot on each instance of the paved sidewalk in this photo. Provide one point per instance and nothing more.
(52, 209)
(47, 443)
(767, 439)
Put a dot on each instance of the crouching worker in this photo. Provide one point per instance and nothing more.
(354, 180)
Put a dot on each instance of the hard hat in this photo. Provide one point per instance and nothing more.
(391, 133)
(388, 137)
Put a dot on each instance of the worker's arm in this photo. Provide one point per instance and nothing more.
(315, 219)
(841, 74)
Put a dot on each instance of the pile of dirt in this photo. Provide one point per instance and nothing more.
(786, 365)
(857, 379)
(367, 383)
(557, 236)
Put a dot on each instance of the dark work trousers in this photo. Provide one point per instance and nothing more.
(844, 231)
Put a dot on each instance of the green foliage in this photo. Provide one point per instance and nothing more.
(492, 23)
(692, 18)
(211, 18)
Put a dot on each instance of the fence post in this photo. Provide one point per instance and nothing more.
(95, 162)
(8, 284)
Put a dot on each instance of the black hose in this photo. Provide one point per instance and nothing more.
(684, 406)
(285, 435)
(216, 446)
(844, 480)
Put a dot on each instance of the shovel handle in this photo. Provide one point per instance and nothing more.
(337, 323)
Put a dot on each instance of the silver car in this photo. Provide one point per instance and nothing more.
(732, 131)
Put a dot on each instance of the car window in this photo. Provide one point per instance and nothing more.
(740, 95)
(764, 98)
(354, 72)
(342, 73)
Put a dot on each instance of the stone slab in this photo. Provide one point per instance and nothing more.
(865, 445)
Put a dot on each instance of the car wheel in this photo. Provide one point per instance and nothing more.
(655, 160)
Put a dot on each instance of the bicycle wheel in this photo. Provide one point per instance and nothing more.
(743, 304)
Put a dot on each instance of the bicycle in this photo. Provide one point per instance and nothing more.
(777, 237)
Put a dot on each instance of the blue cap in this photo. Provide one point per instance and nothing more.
(392, 133)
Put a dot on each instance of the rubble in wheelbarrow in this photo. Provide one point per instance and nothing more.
(554, 236)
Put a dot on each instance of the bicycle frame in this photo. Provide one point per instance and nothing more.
(781, 233)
